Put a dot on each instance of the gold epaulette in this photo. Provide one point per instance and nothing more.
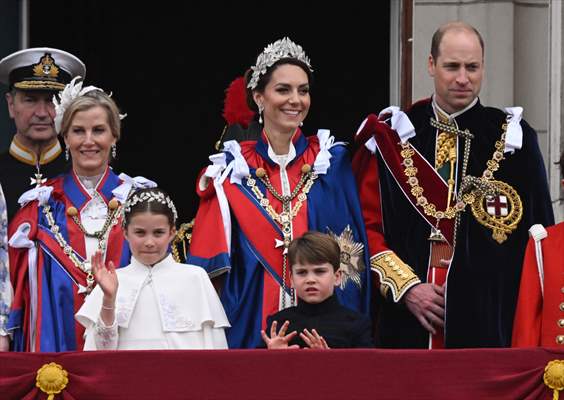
(394, 274)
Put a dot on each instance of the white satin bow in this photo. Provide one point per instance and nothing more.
(41, 194)
(514, 135)
(238, 165)
(322, 160)
(139, 182)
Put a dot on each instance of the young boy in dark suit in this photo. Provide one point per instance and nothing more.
(318, 321)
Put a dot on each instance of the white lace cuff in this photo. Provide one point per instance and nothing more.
(106, 337)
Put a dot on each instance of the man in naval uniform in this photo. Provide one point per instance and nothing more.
(33, 76)
(448, 191)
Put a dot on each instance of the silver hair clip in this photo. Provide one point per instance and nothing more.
(283, 48)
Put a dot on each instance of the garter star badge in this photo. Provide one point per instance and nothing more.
(352, 254)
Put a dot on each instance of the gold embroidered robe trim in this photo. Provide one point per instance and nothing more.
(396, 275)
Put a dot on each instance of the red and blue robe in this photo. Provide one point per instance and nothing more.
(57, 278)
(247, 252)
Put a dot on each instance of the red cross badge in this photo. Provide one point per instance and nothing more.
(497, 206)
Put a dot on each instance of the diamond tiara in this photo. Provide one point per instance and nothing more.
(148, 197)
(282, 48)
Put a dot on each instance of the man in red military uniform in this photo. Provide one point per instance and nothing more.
(539, 317)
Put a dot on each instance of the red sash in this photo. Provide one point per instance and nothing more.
(389, 146)
(436, 190)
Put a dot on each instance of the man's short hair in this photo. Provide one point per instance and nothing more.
(452, 26)
(315, 248)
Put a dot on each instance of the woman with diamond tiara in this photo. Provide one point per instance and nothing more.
(154, 302)
(260, 193)
(64, 221)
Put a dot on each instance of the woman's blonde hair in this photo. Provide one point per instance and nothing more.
(95, 98)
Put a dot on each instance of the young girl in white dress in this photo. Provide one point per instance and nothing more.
(155, 302)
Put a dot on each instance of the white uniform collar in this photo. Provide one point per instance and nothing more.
(27, 156)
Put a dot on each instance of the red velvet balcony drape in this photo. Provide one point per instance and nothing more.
(298, 374)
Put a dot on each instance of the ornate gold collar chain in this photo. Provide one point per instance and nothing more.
(284, 219)
(410, 171)
(84, 266)
(468, 192)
